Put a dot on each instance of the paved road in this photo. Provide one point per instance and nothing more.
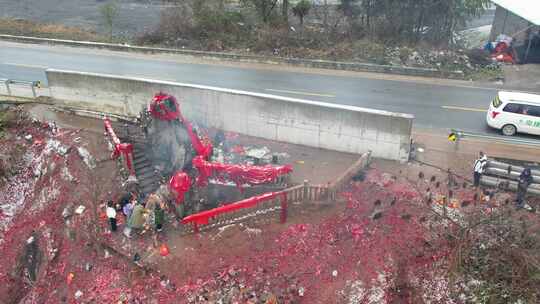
(434, 106)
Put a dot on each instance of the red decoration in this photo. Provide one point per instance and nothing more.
(164, 107)
(202, 147)
(239, 174)
(119, 147)
(202, 218)
(179, 184)
(164, 250)
(70, 277)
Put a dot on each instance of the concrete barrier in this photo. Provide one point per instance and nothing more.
(310, 123)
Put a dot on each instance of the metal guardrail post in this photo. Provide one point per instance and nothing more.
(7, 86)
(33, 85)
(305, 191)
(284, 203)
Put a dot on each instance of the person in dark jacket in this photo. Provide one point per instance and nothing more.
(159, 216)
(122, 201)
(525, 179)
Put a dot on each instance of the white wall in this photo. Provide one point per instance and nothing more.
(310, 123)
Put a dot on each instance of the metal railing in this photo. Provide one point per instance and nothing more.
(272, 202)
(33, 85)
(503, 139)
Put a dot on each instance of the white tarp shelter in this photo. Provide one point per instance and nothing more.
(529, 12)
(526, 9)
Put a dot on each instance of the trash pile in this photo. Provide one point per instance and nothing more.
(456, 60)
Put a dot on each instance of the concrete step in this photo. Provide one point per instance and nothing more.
(138, 154)
(149, 189)
(139, 146)
(148, 182)
(142, 177)
(144, 169)
(141, 161)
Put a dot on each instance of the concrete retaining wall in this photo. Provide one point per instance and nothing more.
(309, 123)
(320, 64)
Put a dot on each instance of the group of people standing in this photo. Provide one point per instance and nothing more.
(524, 181)
(138, 216)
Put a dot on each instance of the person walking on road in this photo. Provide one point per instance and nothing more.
(525, 179)
(111, 214)
(479, 167)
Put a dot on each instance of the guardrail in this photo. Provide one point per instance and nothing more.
(456, 135)
(254, 206)
(313, 63)
(33, 85)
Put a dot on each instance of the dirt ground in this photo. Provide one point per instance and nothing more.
(57, 181)
(524, 77)
(379, 243)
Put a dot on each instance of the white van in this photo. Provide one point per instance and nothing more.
(513, 112)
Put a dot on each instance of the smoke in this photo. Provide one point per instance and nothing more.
(168, 146)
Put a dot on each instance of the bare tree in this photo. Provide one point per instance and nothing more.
(264, 8)
(109, 13)
(285, 11)
(301, 9)
(330, 16)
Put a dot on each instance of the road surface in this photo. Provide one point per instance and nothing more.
(434, 105)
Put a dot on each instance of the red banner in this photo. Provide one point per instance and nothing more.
(238, 173)
(164, 107)
(119, 148)
(179, 184)
(202, 218)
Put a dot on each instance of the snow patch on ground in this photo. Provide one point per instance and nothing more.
(46, 195)
(434, 289)
(38, 162)
(66, 175)
(360, 294)
(13, 194)
(87, 157)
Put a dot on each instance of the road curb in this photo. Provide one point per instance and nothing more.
(321, 64)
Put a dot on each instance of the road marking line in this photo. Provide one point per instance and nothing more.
(301, 93)
(31, 66)
(464, 109)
